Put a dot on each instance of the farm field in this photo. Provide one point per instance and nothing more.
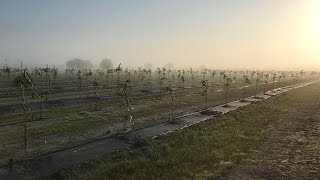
(238, 145)
(106, 89)
(69, 108)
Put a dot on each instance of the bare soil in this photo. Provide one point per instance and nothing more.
(291, 151)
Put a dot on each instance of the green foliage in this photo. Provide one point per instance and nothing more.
(204, 151)
(247, 81)
(23, 81)
(162, 78)
(228, 82)
(205, 86)
(141, 76)
(125, 93)
(118, 69)
(7, 69)
(88, 74)
(183, 80)
(213, 74)
(97, 84)
(170, 92)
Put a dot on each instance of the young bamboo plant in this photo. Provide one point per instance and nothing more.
(54, 72)
(183, 81)
(46, 72)
(205, 86)
(183, 85)
(108, 74)
(283, 76)
(97, 85)
(23, 82)
(247, 83)
(100, 73)
(302, 73)
(39, 96)
(162, 78)
(279, 80)
(118, 70)
(125, 93)
(87, 76)
(257, 80)
(266, 81)
(170, 92)
(293, 78)
(7, 70)
(212, 80)
(192, 76)
(227, 87)
(141, 76)
(274, 77)
(80, 79)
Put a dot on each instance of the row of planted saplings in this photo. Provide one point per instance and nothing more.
(227, 79)
(182, 78)
(24, 81)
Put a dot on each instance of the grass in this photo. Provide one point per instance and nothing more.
(73, 125)
(203, 151)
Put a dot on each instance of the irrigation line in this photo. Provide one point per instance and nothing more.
(100, 98)
(295, 86)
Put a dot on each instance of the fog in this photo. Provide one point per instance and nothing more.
(280, 35)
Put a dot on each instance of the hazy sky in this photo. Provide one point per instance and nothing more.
(224, 33)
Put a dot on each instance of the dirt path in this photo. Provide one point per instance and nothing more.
(292, 151)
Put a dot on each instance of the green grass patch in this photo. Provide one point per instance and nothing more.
(203, 151)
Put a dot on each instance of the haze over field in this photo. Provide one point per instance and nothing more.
(220, 34)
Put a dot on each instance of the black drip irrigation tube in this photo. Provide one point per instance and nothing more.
(166, 121)
(100, 98)
(286, 88)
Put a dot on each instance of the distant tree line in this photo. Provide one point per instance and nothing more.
(106, 63)
(79, 64)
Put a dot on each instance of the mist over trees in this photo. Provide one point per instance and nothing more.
(169, 66)
(148, 65)
(79, 64)
(106, 64)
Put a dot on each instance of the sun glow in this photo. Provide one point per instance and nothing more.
(317, 23)
(308, 38)
(315, 15)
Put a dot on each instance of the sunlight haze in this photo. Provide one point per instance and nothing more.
(219, 34)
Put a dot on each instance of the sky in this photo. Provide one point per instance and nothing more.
(264, 34)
